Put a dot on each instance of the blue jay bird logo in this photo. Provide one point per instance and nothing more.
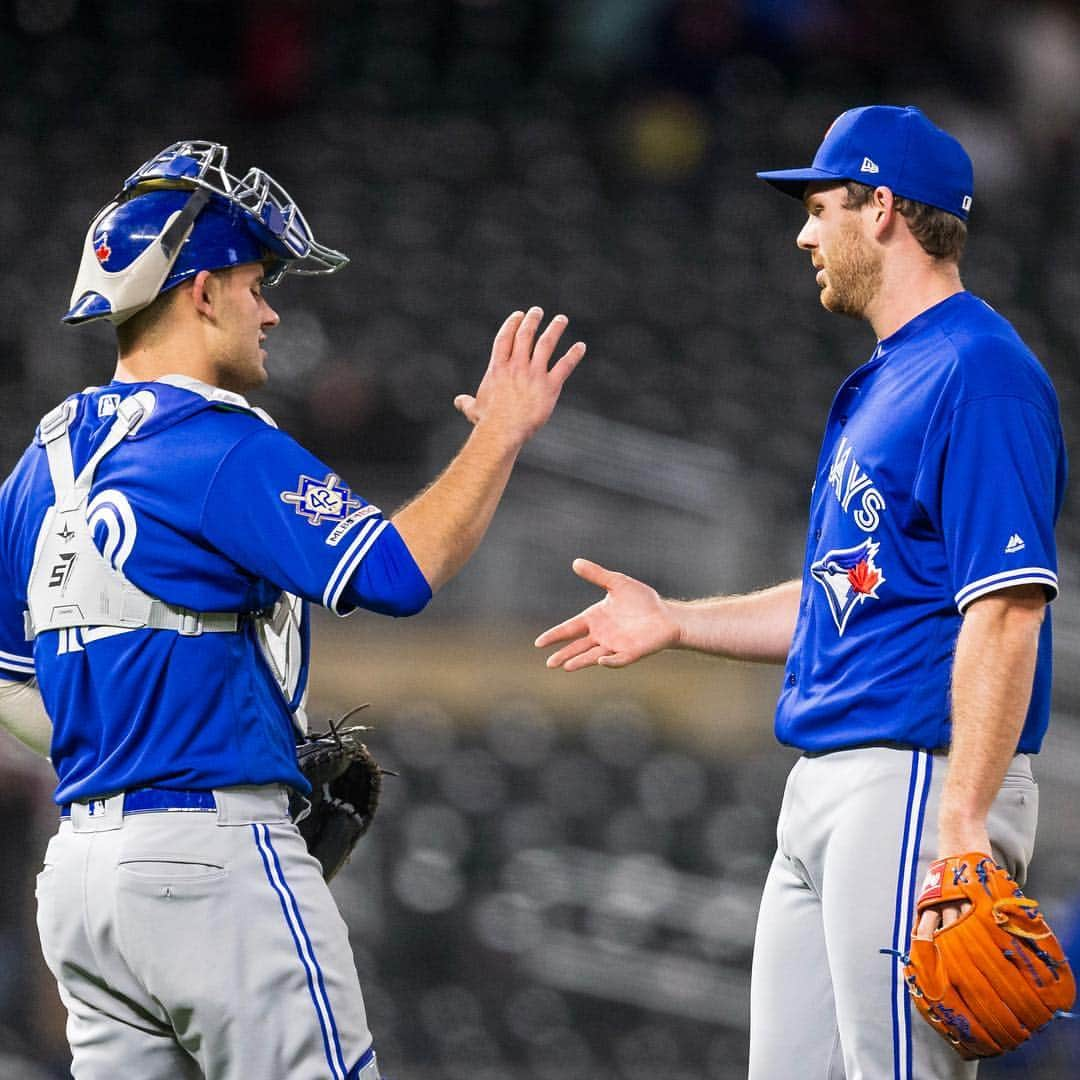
(849, 577)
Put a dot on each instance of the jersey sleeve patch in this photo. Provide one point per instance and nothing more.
(328, 500)
(321, 500)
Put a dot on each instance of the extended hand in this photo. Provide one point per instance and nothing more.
(519, 390)
(632, 621)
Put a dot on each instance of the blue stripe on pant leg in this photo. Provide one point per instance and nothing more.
(911, 886)
(299, 951)
(311, 952)
(905, 889)
(896, 916)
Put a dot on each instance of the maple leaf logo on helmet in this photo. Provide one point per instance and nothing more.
(102, 249)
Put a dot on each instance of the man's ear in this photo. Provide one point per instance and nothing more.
(203, 291)
(883, 209)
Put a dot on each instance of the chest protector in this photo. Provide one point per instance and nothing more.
(72, 584)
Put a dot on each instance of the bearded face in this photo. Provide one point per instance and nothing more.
(849, 268)
(851, 271)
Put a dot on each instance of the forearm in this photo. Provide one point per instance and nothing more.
(756, 626)
(445, 523)
(22, 712)
(993, 671)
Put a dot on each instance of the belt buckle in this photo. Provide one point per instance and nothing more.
(190, 623)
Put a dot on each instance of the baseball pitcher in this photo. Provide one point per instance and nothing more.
(915, 645)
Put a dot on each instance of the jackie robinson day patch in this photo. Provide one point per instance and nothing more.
(328, 500)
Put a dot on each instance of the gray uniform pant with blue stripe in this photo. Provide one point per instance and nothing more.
(200, 944)
(856, 833)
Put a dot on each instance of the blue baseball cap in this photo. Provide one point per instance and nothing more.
(893, 147)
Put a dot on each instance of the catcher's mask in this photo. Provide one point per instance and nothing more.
(182, 212)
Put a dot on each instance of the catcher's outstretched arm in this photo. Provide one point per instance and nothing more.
(22, 712)
(445, 523)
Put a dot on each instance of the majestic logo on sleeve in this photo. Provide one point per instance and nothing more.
(317, 500)
(849, 577)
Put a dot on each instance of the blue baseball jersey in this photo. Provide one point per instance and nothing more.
(941, 476)
(207, 506)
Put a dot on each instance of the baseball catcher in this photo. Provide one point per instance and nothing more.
(161, 533)
(996, 975)
(346, 782)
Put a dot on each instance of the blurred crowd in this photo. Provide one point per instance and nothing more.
(596, 157)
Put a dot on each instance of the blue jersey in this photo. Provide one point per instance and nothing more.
(211, 508)
(941, 476)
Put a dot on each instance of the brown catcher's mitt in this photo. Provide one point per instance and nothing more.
(346, 782)
(998, 973)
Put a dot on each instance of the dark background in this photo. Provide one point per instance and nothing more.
(563, 882)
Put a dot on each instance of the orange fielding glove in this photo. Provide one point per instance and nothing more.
(998, 974)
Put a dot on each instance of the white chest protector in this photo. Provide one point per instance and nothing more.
(72, 584)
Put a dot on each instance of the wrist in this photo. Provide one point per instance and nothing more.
(497, 437)
(962, 833)
(680, 636)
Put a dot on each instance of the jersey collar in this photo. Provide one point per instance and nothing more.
(920, 322)
(211, 393)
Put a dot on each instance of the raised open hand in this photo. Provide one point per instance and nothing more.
(631, 621)
(519, 390)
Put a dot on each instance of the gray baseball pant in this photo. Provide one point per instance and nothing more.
(856, 833)
(195, 944)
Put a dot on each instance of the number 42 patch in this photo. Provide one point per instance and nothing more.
(319, 500)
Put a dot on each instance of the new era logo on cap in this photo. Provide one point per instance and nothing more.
(899, 147)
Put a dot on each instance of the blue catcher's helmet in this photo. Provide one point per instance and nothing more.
(182, 212)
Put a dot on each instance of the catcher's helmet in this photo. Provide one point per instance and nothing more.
(182, 212)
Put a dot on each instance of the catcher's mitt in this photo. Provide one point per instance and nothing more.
(997, 974)
(345, 785)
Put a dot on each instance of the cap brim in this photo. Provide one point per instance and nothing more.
(793, 181)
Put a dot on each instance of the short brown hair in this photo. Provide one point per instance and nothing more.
(135, 329)
(940, 234)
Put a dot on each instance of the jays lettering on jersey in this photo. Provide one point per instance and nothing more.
(207, 506)
(941, 476)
